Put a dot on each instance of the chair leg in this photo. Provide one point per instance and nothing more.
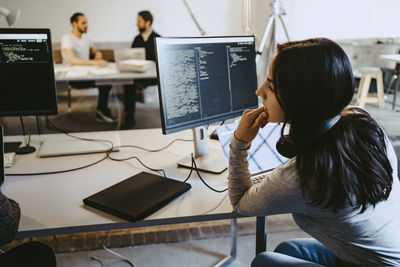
(390, 87)
(261, 234)
(363, 89)
(379, 85)
(396, 88)
(69, 98)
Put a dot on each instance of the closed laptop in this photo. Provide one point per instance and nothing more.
(138, 196)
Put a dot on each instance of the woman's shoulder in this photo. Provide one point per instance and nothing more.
(287, 172)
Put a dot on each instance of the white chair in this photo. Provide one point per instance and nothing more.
(368, 73)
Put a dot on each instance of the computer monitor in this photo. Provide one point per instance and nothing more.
(27, 82)
(203, 80)
(1, 156)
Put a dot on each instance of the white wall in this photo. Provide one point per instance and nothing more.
(342, 19)
(115, 20)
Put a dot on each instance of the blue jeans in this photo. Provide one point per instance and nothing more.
(296, 252)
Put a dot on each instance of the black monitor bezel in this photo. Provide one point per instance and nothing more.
(191, 125)
(52, 111)
(2, 172)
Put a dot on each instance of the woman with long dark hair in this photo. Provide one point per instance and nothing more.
(341, 184)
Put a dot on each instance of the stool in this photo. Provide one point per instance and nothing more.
(363, 97)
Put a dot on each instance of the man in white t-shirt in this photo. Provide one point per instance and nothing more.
(76, 50)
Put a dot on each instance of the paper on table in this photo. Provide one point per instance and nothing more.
(72, 71)
(135, 65)
(83, 71)
(103, 71)
(76, 73)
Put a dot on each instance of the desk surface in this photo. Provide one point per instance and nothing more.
(52, 204)
(64, 73)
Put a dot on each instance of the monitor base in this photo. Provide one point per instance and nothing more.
(212, 162)
(25, 150)
(11, 146)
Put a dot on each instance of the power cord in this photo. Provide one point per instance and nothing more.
(57, 172)
(144, 165)
(129, 261)
(156, 150)
(201, 178)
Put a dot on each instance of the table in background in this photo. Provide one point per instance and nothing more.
(110, 75)
(102, 76)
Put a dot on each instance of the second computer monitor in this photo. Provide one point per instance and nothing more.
(204, 79)
(27, 83)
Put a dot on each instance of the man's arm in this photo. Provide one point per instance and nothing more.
(73, 60)
(97, 54)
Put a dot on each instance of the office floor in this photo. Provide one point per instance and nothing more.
(194, 252)
(198, 252)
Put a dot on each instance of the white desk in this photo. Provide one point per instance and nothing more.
(52, 204)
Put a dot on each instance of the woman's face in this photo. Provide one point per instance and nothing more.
(271, 106)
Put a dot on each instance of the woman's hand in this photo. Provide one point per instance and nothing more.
(252, 120)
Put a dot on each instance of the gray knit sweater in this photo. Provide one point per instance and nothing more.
(370, 238)
(9, 219)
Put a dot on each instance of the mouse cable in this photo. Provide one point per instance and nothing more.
(57, 172)
(201, 178)
(135, 157)
(155, 150)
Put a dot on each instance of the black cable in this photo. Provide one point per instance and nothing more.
(73, 169)
(22, 125)
(191, 170)
(37, 125)
(116, 147)
(57, 172)
(23, 131)
(222, 123)
(29, 140)
(144, 165)
(201, 178)
(80, 138)
(155, 150)
(108, 152)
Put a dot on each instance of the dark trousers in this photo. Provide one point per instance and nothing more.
(104, 92)
(29, 254)
(131, 90)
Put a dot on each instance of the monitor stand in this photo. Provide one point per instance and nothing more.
(11, 146)
(206, 160)
(20, 150)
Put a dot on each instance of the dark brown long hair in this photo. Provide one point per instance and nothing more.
(313, 82)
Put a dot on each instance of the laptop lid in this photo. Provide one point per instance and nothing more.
(129, 53)
(62, 145)
(138, 196)
(262, 155)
